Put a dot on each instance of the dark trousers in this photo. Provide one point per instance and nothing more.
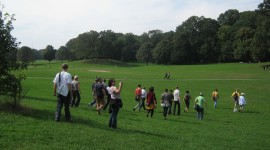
(200, 113)
(176, 103)
(142, 105)
(165, 111)
(76, 98)
(62, 100)
(150, 111)
(108, 101)
(113, 118)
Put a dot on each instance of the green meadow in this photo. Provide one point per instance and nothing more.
(33, 126)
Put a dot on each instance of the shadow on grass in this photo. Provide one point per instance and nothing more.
(109, 62)
(251, 112)
(39, 98)
(46, 115)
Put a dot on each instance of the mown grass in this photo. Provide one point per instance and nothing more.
(35, 128)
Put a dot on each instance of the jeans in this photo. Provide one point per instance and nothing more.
(176, 103)
(142, 104)
(62, 100)
(138, 104)
(200, 113)
(108, 101)
(165, 111)
(76, 95)
(215, 103)
(113, 117)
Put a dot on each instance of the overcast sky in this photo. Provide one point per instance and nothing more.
(54, 22)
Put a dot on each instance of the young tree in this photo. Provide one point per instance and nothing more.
(10, 83)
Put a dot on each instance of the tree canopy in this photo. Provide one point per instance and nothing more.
(234, 36)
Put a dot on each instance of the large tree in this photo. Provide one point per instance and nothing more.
(26, 55)
(230, 17)
(144, 54)
(49, 53)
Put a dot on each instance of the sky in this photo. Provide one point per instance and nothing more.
(54, 22)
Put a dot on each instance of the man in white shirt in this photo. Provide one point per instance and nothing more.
(144, 94)
(176, 100)
(62, 85)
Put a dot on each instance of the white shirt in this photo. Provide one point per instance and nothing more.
(113, 94)
(176, 96)
(242, 100)
(62, 87)
(144, 93)
(108, 90)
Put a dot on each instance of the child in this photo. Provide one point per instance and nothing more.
(242, 102)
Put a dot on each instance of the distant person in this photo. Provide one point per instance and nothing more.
(200, 102)
(100, 95)
(169, 75)
(187, 99)
(143, 97)
(165, 101)
(93, 103)
(151, 102)
(76, 92)
(215, 97)
(176, 95)
(235, 96)
(242, 102)
(138, 94)
(171, 102)
(108, 94)
(166, 76)
(115, 102)
(62, 84)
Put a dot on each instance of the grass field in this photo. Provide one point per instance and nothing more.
(34, 126)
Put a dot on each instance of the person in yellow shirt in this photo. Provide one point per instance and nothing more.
(235, 96)
(215, 97)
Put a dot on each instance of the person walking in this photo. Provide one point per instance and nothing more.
(215, 97)
(176, 100)
(242, 102)
(199, 106)
(138, 94)
(143, 96)
(93, 102)
(108, 94)
(63, 91)
(171, 102)
(151, 102)
(100, 94)
(235, 96)
(115, 102)
(76, 92)
(187, 99)
(165, 102)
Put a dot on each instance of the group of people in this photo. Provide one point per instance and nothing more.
(239, 101)
(67, 90)
(169, 99)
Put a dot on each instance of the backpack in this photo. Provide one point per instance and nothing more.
(187, 97)
(98, 88)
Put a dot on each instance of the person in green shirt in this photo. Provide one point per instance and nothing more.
(200, 102)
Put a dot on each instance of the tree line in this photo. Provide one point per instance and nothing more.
(234, 36)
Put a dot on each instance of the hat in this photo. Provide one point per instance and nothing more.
(76, 77)
(243, 94)
(201, 94)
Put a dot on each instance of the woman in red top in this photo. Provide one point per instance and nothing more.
(151, 101)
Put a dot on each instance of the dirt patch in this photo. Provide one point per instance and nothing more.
(99, 70)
